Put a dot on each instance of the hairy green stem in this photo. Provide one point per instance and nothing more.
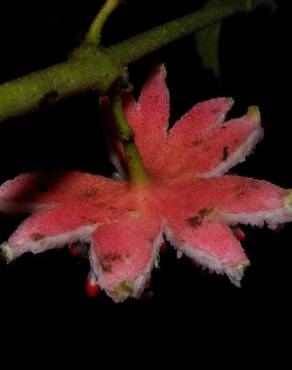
(94, 33)
(90, 68)
(145, 43)
(136, 170)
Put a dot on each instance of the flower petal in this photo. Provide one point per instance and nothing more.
(212, 245)
(148, 118)
(197, 122)
(123, 255)
(25, 193)
(248, 201)
(33, 191)
(151, 122)
(228, 145)
(50, 228)
(216, 151)
(235, 199)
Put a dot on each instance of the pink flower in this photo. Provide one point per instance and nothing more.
(188, 201)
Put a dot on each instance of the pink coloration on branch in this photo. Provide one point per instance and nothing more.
(188, 200)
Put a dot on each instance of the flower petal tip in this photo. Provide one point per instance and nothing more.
(253, 112)
(122, 291)
(287, 199)
(237, 273)
(6, 252)
(230, 100)
(243, 265)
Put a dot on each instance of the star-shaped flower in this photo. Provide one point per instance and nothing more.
(187, 199)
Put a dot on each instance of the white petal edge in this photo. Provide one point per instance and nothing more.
(234, 273)
(238, 156)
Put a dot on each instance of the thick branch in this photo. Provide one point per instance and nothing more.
(87, 70)
(93, 69)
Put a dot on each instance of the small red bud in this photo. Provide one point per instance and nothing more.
(79, 250)
(73, 248)
(238, 233)
(92, 287)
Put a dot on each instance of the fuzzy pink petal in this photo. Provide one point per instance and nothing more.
(25, 193)
(33, 191)
(248, 201)
(73, 219)
(233, 199)
(212, 245)
(198, 121)
(50, 228)
(151, 122)
(216, 152)
(67, 206)
(123, 255)
(227, 146)
(148, 119)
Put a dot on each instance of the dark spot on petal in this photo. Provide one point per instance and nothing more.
(239, 191)
(112, 208)
(107, 259)
(111, 256)
(198, 219)
(194, 144)
(106, 266)
(236, 141)
(195, 221)
(88, 194)
(225, 153)
(205, 212)
(37, 236)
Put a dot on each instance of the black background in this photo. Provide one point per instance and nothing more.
(255, 70)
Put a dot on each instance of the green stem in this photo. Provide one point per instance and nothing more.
(88, 69)
(145, 43)
(94, 69)
(94, 33)
(136, 169)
